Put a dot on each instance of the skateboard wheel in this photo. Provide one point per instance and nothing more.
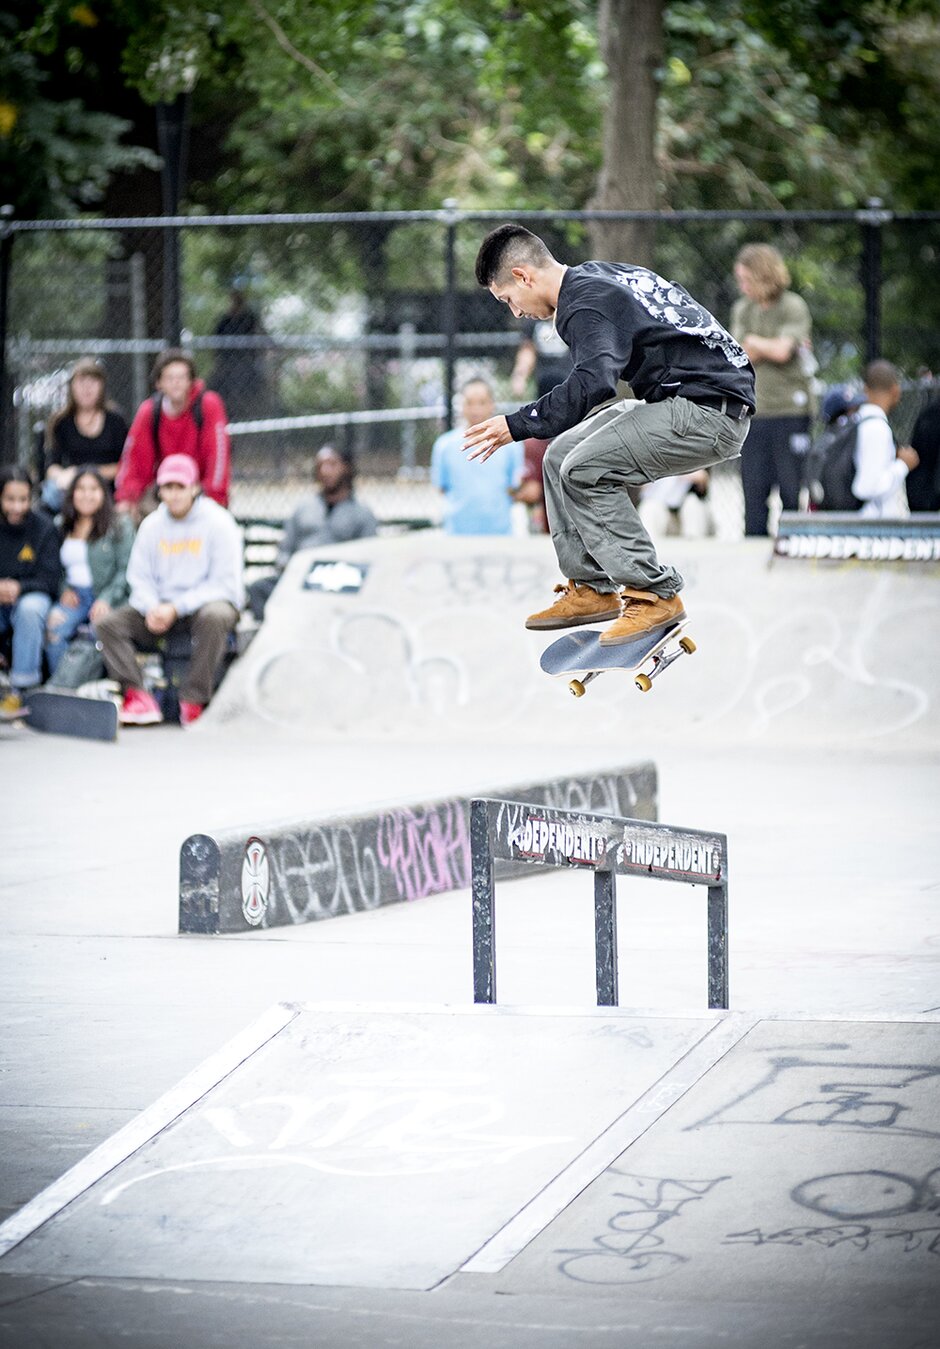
(577, 688)
(688, 646)
(643, 683)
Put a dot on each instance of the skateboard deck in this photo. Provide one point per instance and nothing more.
(580, 653)
(72, 714)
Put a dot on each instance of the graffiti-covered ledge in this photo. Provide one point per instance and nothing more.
(237, 880)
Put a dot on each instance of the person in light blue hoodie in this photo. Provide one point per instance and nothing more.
(185, 572)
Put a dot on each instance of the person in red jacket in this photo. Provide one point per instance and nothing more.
(182, 417)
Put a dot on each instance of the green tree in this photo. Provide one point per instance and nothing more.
(58, 150)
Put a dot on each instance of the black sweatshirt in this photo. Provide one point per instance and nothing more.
(29, 553)
(626, 323)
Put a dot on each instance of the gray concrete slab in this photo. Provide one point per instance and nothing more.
(778, 1188)
(300, 1153)
(804, 1162)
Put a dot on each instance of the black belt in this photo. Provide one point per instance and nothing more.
(731, 407)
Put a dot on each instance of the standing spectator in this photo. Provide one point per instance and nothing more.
(182, 417)
(29, 580)
(238, 376)
(185, 572)
(541, 353)
(923, 482)
(96, 546)
(334, 516)
(880, 467)
(479, 497)
(89, 430)
(774, 327)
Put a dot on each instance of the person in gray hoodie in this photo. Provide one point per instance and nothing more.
(185, 572)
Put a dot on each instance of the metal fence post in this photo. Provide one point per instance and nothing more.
(138, 311)
(172, 137)
(482, 889)
(450, 308)
(7, 448)
(605, 938)
(872, 221)
(406, 357)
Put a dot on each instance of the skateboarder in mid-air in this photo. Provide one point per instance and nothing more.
(620, 322)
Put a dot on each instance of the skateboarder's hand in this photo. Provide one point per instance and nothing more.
(485, 438)
(69, 598)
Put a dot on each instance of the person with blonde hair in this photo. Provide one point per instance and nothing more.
(87, 430)
(774, 327)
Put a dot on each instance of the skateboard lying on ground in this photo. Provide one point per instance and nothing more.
(62, 713)
(580, 653)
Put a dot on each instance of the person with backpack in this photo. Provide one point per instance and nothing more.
(880, 465)
(855, 464)
(182, 417)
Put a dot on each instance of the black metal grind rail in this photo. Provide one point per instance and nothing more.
(519, 832)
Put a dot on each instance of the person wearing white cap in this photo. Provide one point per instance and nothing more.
(185, 572)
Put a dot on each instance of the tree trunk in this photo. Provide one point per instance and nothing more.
(631, 33)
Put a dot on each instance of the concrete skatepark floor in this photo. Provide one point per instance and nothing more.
(833, 923)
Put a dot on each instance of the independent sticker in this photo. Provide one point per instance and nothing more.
(255, 882)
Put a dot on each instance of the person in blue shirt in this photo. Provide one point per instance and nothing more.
(476, 503)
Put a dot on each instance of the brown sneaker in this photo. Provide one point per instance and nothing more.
(577, 603)
(642, 613)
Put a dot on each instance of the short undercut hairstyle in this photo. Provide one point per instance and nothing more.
(506, 247)
(881, 376)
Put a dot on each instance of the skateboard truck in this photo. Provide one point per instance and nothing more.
(644, 681)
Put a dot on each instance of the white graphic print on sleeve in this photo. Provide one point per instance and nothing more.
(675, 306)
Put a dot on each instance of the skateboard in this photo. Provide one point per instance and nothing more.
(72, 714)
(580, 653)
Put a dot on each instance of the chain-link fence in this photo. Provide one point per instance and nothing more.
(358, 329)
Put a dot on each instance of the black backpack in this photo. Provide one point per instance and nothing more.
(830, 465)
(156, 410)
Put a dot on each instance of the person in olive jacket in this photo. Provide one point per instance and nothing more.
(96, 545)
(29, 580)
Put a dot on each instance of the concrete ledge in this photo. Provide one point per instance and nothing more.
(237, 880)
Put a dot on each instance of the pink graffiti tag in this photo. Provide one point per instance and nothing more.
(427, 852)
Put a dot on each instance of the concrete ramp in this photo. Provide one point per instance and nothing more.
(695, 1160)
(422, 637)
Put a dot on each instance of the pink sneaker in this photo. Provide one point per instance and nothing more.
(139, 708)
(189, 712)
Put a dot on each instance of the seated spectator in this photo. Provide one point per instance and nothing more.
(334, 516)
(880, 467)
(923, 482)
(184, 573)
(96, 545)
(29, 580)
(89, 430)
(479, 494)
(182, 417)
